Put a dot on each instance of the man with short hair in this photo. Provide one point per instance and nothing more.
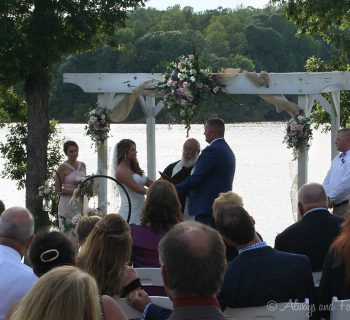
(315, 232)
(213, 173)
(180, 170)
(16, 235)
(337, 181)
(259, 274)
(193, 264)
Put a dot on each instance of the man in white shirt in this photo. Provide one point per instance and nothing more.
(16, 235)
(337, 181)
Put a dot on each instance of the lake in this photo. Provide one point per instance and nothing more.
(264, 167)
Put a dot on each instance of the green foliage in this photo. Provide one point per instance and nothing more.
(14, 151)
(248, 38)
(35, 34)
(329, 19)
(338, 62)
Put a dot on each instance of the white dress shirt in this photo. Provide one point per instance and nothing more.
(16, 278)
(337, 181)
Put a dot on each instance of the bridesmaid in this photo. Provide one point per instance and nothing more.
(67, 173)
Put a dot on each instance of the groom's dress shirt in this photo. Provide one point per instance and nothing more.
(16, 279)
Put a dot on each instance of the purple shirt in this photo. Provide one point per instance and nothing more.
(145, 246)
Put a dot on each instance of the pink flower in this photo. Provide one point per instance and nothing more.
(293, 133)
(180, 91)
(97, 126)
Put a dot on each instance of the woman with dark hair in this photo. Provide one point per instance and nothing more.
(335, 280)
(161, 211)
(129, 173)
(49, 250)
(67, 174)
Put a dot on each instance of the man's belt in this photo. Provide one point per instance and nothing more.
(336, 205)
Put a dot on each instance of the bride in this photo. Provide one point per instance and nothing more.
(129, 173)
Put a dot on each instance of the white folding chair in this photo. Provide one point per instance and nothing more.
(340, 309)
(150, 276)
(272, 311)
(132, 313)
(317, 278)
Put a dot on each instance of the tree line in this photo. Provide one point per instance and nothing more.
(246, 38)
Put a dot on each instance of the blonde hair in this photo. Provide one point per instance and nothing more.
(105, 252)
(227, 198)
(62, 293)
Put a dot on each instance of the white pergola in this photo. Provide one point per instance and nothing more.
(111, 88)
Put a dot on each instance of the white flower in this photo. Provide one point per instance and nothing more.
(76, 219)
(193, 71)
(300, 118)
(193, 79)
(169, 83)
(92, 120)
(185, 85)
(181, 76)
(47, 191)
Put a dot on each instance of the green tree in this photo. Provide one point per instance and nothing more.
(331, 21)
(217, 40)
(34, 34)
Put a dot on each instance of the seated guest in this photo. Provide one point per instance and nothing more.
(335, 280)
(160, 213)
(49, 250)
(66, 293)
(180, 170)
(105, 255)
(16, 278)
(85, 226)
(231, 199)
(259, 274)
(314, 233)
(193, 266)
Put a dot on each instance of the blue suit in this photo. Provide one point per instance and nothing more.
(213, 173)
(257, 276)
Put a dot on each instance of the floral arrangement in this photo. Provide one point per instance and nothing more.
(87, 188)
(298, 134)
(98, 125)
(70, 225)
(186, 85)
(50, 201)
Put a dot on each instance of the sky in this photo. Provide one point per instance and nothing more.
(202, 5)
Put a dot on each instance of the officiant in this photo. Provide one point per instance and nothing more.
(178, 171)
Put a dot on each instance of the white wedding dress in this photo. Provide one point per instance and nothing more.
(136, 200)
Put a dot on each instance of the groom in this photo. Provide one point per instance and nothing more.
(213, 173)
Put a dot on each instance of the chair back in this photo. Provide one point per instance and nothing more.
(150, 277)
(340, 309)
(272, 311)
